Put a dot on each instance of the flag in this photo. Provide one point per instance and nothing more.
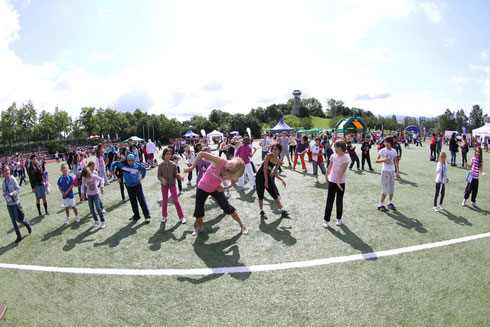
(464, 129)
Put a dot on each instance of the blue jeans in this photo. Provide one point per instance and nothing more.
(315, 167)
(453, 158)
(94, 200)
(14, 215)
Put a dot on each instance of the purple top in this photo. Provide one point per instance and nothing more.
(300, 147)
(200, 169)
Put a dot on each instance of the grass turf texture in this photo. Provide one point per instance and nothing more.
(444, 286)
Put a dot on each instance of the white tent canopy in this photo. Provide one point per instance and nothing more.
(215, 134)
(482, 131)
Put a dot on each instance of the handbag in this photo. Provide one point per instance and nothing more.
(47, 186)
(469, 178)
(76, 181)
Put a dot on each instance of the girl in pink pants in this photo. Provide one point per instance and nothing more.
(167, 175)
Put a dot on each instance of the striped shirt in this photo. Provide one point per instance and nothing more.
(475, 167)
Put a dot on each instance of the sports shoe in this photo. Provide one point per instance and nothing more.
(164, 219)
(263, 215)
(77, 219)
(134, 218)
(103, 210)
(316, 180)
(96, 223)
(147, 220)
(47, 213)
(339, 222)
(435, 209)
(474, 204)
(284, 213)
(392, 206)
(463, 203)
(180, 193)
(244, 230)
(441, 207)
(197, 231)
(18, 239)
(325, 223)
(382, 208)
(67, 220)
(103, 225)
(183, 221)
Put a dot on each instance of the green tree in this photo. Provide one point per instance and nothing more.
(314, 107)
(61, 123)
(336, 108)
(218, 116)
(446, 122)
(461, 120)
(26, 120)
(88, 120)
(476, 117)
(8, 125)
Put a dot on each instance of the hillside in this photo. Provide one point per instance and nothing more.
(317, 122)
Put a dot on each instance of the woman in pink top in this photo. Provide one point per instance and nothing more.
(336, 181)
(245, 152)
(92, 182)
(212, 184)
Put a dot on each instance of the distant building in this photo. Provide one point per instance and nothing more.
(56, 110)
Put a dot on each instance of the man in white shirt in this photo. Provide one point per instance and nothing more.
(151, 149)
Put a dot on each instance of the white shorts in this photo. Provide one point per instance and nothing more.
(67, 203)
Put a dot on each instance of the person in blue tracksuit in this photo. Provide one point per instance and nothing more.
(133, 173)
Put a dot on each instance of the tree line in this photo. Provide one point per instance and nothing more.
(24, 124)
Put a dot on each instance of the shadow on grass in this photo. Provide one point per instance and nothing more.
(407, 182)
(280, 234)
(409, 223)
(217, 256)
(322, 186)
(115, 206)
(59, 230)
(247, 196)
(353, 240)
(71, 243)
(480, 210)
(162, 236)
(460, 220)
(6, 248)
(128, 230)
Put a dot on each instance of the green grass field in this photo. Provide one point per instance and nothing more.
(446, 286)
(317, 121)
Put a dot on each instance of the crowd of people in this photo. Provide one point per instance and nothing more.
(127, 165)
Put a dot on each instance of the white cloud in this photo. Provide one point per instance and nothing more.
(432, 12)
(105, 11)
(448, 42)
(484, 56)
(456, 79)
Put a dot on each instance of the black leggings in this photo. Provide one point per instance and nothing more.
(179, 183)
(471, 188)
(439, 191)
(292, 149)
(121, 186)
(223, 203)
(260, 187)
(332, 190)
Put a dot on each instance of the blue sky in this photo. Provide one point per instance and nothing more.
(182, 58)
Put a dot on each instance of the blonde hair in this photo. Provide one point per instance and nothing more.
(238, 171)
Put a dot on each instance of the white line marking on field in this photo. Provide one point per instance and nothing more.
(244, 269)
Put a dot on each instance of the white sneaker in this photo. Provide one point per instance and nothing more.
(441, 207)
(103, 210)
(103, 225)
(67, 221)
(316, 180)
(474, 204)
(435, 209)
(244, 230)
(62, 205)
(164, 219)
(183, 221)
(339, 222)
(77, 219)
(325, 223)
(464, 203)
(96, 223)
(197, 231)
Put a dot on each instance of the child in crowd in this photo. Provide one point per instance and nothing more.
(441, 180)
(365, 147)
(119, 175)
(92, 183)
(245, 152)
(335, 177)
(131, 172)
(473, 177)
(316, 157)
(190, 156)
(211, 184)
(301, 148)
(100, 167)
(203, 165)
(91, 167)
(353, 155)
(389, 158)
(167, 174)
(66, 184)
(265, 181)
